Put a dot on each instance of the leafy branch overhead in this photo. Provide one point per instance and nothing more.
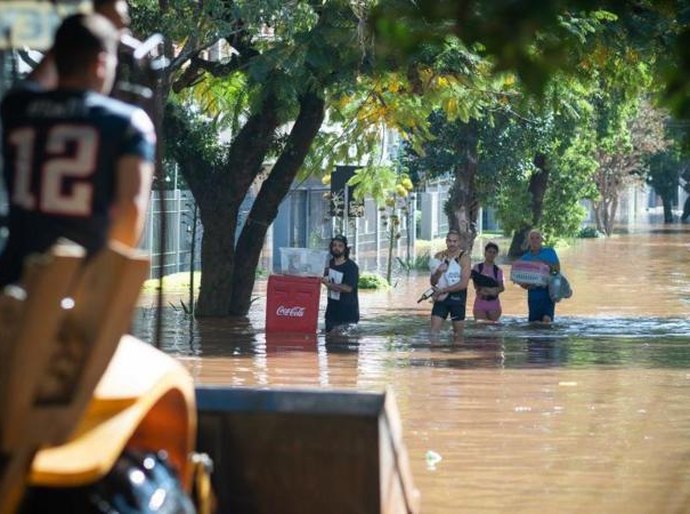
(261, 93)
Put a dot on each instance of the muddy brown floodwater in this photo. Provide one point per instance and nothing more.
(590, 415)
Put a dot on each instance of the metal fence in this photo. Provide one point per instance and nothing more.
(178, 207)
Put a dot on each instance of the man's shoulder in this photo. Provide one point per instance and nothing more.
(352, 264)
(131, 116)
(114, 106)
(439, 256)
(547, 250)
(16, 97)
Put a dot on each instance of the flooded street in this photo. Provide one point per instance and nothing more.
(590, 415)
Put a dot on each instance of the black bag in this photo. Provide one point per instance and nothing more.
(139, 483)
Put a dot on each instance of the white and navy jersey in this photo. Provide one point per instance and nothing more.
(60, 152)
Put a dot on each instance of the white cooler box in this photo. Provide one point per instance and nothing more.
(303, 262)
(530, 272)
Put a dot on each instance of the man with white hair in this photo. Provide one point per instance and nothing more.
(540, 305)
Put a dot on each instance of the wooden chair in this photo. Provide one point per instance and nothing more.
(60, 329)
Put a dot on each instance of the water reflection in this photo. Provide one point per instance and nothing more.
(570, 342)
(587, 415)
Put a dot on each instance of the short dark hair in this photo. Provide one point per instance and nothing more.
(80, 39)
(491, 245)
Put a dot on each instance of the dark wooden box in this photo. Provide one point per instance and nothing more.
(305, 451)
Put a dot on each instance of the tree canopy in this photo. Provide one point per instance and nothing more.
(260, 92)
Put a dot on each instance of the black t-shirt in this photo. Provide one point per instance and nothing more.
(60, 152)
(343, 307)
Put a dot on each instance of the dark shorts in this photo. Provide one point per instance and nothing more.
(455, 306)
(338, 314)
(539, 304)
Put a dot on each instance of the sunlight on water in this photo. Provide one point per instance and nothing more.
(589, 415)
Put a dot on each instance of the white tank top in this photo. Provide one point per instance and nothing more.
(451, 276)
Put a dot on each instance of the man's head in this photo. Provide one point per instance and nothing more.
(338, 247)
(534, 240)
(117, 11)
(86, 52)
(453, 240)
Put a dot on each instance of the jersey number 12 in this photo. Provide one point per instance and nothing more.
(53, 195)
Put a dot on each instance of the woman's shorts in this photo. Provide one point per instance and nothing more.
(487, 305)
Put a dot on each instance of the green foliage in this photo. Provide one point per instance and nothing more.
(667, 167)
(390, 188)
(539, 39)
(420, 262)
(475, 72)
(589, 233)
(372, 281)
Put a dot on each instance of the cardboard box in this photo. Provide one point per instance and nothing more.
(530, 272)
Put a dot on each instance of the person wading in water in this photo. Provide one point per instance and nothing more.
(450, 275)
(341, 278)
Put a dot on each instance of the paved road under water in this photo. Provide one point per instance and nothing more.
(590, 415)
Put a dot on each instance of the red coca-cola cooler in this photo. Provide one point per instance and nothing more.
(292, 303)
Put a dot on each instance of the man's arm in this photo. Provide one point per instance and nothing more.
(556, 265)
(350, 279)
(133, 187)
(340, 288)
(438, 272)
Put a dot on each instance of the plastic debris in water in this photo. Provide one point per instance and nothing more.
(432, 458)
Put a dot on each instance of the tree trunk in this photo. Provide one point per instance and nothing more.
(605, 218)
(217, 258)
(538, 184)
(686, 210)
(668, 210)
(462, 208)
(219, 190)
(611, 209)
(244, 163)
(273, 191)
(518, 243)
(596, 207)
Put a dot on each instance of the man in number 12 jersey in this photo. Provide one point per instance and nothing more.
(76, 163)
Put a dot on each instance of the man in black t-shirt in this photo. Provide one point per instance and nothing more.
(77, 164)
(341, 278)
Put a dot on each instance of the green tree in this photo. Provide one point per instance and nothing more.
(283, 60)
(665, 170)
(293, 62)
(622, 158)
(508, 31)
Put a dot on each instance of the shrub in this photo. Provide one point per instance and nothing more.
(588, 232)
(420, 262)
(372, 281)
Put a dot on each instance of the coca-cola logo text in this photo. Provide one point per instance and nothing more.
(290, 312)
